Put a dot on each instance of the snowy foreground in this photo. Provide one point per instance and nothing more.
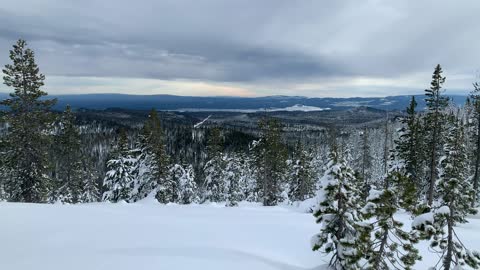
(147, 235)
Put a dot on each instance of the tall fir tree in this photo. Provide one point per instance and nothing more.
(214, 169)
(337, 212)
(409, 151)
(365, 161)
(271, 158)
(452, 206)
(28, 118)
(436, 104)
(166, 187)
(70, 170)
(475, 103)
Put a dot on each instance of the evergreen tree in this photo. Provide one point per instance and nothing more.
(91, 191)
(271, 157)
(454, 203)
(119, 178)
(166, 187)
(28, 117)
(365, 161)
(302, 182)
(340, 231)
(436, 103)
(70, 171)
(214, 169)
(391, 246)
(248, 177)
(189, 187)
(409, 152)
(232, 176)
(475, 100)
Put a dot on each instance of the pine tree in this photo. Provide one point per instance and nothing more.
(475, 99)
(166, 187)
(302, 182)
(391, 246)
(436, 103)
(409, 152)
(271, 158)
(70, 171)
(27, 141)
(189, 187)
(248, 177)
(214, 168)
(365, 161)
(119, 178)
(340, 231)
(90, 190)
(454, 204)
(232, 176)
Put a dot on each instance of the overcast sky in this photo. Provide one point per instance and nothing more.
(246, 48)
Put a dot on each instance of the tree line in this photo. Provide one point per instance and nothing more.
(429, 167)
(431, 173)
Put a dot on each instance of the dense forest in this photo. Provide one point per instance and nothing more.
(357, 177)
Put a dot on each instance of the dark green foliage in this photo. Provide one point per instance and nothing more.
(409, 150)
(270, 160)
(475, 103)
(434, 125)
(155, 141)
(215, 167)
(453, 205)
(70, 170)
(26, 143)
(391, 246)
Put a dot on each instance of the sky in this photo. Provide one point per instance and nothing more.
(246, 47)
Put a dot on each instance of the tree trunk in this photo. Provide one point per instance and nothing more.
(449, 254)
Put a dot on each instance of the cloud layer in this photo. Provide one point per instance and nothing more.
(218, 47)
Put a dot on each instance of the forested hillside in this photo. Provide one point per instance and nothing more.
(355, 169)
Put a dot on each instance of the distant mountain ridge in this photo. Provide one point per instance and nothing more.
(189, 103)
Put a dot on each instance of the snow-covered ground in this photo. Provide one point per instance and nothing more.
(153, 236)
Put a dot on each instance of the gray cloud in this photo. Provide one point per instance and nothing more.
(247, 42)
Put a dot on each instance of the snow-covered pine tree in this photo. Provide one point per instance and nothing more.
(391, 247)
(26, 143)
(270, 161)
(341, 230)
(214, 169)
(232, 176)
(189, 186)
(302, 179)
(434, 121)
(91, 191)
(475, 136)
(119, 178)
(364, 159)
(248, 180)
(70, 171)
(453, 205)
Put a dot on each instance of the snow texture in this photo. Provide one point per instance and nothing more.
(148, 235)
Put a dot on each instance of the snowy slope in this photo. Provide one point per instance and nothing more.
(153, 236)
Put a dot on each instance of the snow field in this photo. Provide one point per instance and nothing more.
(149, 235)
